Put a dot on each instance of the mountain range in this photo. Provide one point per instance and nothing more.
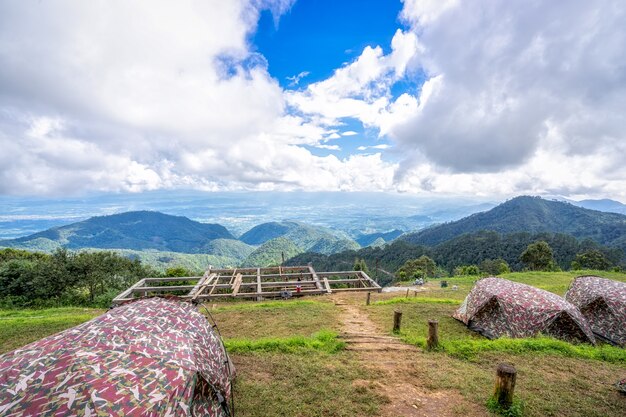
(162, 239)
(532, 215)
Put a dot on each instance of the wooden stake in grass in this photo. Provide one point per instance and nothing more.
(397, 319)
(367, 302)
(505, 385)
(433, 334)
(407, 293)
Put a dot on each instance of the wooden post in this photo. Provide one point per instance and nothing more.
(414, 293)
(397, 320)
(505, 385)
(433, 334)
(367, 302)
(407, 293)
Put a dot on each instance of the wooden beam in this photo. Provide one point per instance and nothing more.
(124, 296)
(258, 283)
(327, 286)
(212, 277)
(200, 282)
(236, 285)
(166, 279)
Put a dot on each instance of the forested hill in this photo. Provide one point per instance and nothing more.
(306, 237)
(533, 215)
(137, 230)
(468, 249)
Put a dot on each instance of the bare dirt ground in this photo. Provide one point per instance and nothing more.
(390, 358)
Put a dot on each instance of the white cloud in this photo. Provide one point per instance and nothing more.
(517, 98)
(382, 146)
(329, 147)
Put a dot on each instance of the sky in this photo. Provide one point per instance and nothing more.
(487, 98)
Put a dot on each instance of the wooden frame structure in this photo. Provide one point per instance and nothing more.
(259, 283)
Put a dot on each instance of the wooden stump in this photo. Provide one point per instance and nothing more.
(407, 293)
(397, 320)
(367, 301)
(433, 334)
(505, 385)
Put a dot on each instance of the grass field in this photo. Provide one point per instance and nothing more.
(290, 361)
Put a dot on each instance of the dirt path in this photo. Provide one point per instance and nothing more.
(392, 359)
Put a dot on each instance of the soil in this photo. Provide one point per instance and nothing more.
(388, 356)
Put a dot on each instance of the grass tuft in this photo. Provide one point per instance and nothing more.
(417, 300)
(515, 410)
(324, 340)
(468, 349)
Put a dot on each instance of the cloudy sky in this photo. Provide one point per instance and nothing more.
(447, 97)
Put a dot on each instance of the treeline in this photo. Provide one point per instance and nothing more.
(487, 250)
(33, 279)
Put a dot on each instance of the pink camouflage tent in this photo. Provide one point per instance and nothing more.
(603, 303)
(150, 357)
(496, 307)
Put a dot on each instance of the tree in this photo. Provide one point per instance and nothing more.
(538, 256)
(591, 259)
(178, 271)
(360, 265)
(421, 267)
(494, 267)
(467, 270)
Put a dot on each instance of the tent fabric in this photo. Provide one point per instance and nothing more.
(603, 303)
(150, 357)
(496, 307)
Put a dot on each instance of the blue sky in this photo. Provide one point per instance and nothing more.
(422, 97)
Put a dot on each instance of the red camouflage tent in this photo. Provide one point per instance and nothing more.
(150, 357)
(603, 303)
(497, 307)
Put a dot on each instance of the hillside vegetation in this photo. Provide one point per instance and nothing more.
(532, 215)
(137, 230)
(309, 238)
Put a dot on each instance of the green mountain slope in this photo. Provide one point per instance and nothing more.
(310, 238)
(270, 253)
(533, 215)
(138, 230)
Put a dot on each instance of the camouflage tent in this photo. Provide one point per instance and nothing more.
(150, 357)
(497, 307)
(603, 303)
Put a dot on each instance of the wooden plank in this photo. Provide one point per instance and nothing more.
(200, 282)
(164, 288)
(217, 279)
(327, 285)
(236, 285)
(315, 278)
(212, 277)
(166, 279)
(258, 283)
(124, 296)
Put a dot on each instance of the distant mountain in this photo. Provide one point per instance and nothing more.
(532, 215)
(137, 230)
(368, 239)
(607, 205)
(308, 238)
(271, 253)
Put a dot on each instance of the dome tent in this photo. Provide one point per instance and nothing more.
(603, 303)
(156, 356)
(496, 307)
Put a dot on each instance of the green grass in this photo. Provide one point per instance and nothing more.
(274, 319)
(20, 327)
(418, 300)
(469, 349)
(315, 384)
(324, 340)
(266, 305)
